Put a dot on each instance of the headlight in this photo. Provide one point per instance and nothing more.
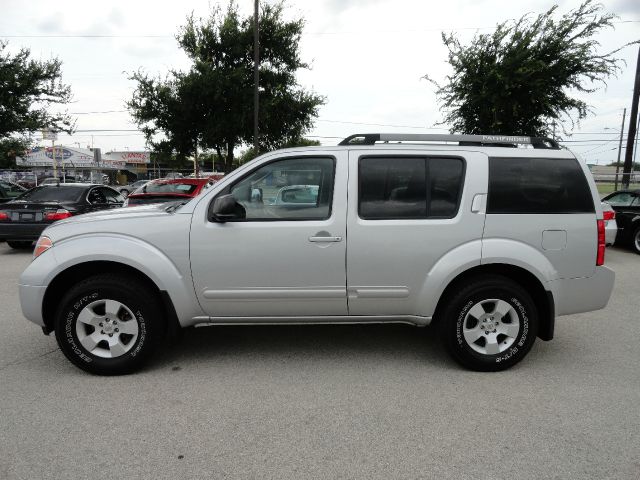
(42, 245)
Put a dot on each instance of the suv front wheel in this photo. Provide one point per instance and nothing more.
(490, 324)
(109, 324)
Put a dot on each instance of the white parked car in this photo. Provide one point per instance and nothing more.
(488, 243)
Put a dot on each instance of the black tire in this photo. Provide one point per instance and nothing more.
(483, 291)
(635, 240)
(124, 192)
(20, 245)
(134, 295)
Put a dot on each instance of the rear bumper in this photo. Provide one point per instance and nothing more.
(610, 231)
(577, 295)
(31, 298)
(21, 231)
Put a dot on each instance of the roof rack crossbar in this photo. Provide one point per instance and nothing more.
(487, 140)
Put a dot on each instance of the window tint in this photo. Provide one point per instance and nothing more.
(445, 183)
(537, 185)
(409, 187)
(53, 194)
(292, 189)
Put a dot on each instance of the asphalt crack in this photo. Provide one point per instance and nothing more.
(20, 362)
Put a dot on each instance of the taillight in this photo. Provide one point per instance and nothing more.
(59, 214)
(609, 215)
(4, 216)
(601, 243)
(43, 244)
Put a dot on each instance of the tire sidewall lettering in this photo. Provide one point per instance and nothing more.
(71, 318)
(518, 345)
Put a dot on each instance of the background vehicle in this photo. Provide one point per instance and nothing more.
(489, 243)
(56, 180)
(610, 224)
(297, 196)
(161, 191)
(126, 190)
(626, 204)
(10, 190)
(23, 219)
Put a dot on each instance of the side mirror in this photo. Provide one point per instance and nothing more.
(226, 208)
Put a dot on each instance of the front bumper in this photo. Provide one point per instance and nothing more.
(21, 231)
(585, 294)
(31, 299)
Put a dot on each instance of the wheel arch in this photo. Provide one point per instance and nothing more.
(60, 284)
(542, 298)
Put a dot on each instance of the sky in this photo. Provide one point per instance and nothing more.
(367, 58)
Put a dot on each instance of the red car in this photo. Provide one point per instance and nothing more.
(168, 190)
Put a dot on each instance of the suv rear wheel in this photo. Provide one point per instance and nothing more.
(109, 324)
(490, 324)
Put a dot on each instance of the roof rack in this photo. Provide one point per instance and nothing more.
(463, 140)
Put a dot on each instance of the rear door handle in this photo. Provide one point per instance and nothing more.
(325, 239)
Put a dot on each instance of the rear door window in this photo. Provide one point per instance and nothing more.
(538, 185)
(409, 187)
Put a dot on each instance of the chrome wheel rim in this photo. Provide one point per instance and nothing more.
(491, 326)
(636, 240)
(107, 328)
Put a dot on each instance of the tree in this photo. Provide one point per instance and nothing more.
(249, 154)
(211, 105)
(521, 78)
(10, 148)
(28, 89)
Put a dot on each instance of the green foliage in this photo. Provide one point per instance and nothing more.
(28, 88)
(250, 153)
(520, 79)
(212, 104)
(10, 148)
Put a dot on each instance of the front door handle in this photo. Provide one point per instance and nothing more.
(315, 239)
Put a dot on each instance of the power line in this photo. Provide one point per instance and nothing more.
(347, 32)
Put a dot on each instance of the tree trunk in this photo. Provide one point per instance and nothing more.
(228, 164)
(220, 157)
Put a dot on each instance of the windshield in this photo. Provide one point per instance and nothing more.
(183, 188)
(52, 194)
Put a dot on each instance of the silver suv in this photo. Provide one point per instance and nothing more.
(487, 241)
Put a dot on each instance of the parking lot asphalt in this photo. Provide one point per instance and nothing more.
(296, 402)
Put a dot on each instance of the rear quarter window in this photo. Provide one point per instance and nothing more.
(538, 185)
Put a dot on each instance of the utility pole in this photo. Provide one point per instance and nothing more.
(628, 155)
(256, 74)
(624, 114)
(196, 167)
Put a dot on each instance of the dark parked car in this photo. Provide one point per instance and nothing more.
(10, 190)
(626, 204)
(168, 190)
(23, 219)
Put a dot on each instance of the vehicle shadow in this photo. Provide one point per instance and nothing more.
(361, 343)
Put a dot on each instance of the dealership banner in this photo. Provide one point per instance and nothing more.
(130, 157)
(79, 158)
